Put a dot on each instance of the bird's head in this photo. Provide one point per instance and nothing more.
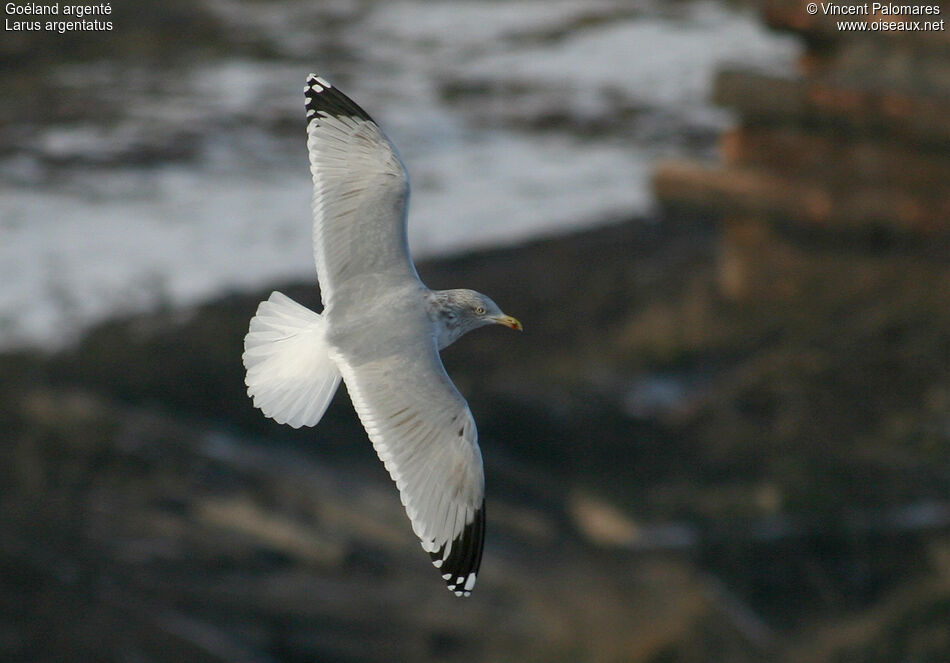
(461, 311)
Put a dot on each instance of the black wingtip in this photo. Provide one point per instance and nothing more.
(460, 568)
(323, 98)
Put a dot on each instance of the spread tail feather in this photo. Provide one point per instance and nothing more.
(290, 375)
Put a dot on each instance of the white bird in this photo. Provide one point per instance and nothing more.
(381, 330)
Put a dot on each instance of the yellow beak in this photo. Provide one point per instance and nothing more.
(508, 321)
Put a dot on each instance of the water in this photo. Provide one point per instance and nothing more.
(515, 119)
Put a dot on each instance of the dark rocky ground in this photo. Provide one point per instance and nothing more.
(672, 476)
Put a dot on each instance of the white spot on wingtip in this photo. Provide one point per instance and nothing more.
(446, 576)
(458, 593)
(470, 582)
(315, 83)
(322, 81)
(437, 563)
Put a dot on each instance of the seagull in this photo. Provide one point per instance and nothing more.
(381, 331)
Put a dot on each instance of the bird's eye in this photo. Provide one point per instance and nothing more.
(479, 310)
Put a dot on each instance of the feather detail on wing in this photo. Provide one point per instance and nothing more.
(360, 192)
(423, 431)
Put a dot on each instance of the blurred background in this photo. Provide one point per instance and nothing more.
(723, 436)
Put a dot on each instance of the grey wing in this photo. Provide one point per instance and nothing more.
(360, 192)
(423, 431)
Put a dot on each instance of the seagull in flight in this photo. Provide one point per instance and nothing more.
(381, 330)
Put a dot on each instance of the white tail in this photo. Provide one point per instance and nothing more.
(290, 374)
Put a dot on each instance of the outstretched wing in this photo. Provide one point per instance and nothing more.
(424, 433)
(360, 192)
